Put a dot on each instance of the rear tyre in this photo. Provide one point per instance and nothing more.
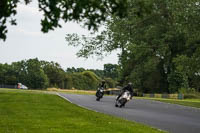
(98, 99)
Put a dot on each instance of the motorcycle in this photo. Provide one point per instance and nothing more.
(99, 93)
(125, 97)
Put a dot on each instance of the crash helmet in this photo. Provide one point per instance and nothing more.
(130, 83)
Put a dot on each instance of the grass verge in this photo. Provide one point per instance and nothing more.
(185, 102)
(83, 92)
(30, 112)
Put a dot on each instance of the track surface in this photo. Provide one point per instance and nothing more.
(168, 117)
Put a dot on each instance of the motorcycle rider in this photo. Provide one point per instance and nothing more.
(99, 94)
(129, 88)
(103, 84)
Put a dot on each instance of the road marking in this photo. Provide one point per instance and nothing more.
(77, 104)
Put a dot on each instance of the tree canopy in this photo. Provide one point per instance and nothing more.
(90, 12)
(159, 42)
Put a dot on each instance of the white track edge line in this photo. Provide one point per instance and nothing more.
(105, 113)
(77, 104)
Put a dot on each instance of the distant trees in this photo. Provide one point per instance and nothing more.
(74, 70)
(54, 72)
(42, 74)
(111, 71)
(35, 76)
(7, 74)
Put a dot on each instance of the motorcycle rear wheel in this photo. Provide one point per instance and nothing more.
(98, 99)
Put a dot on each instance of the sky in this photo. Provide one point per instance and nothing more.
(26, 41)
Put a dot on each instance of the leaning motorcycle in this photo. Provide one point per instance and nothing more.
(99, 93)
(125, 97)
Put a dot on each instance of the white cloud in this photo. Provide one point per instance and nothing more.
(29, 33)
(26, 41)
(28, 9)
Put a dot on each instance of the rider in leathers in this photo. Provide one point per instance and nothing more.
(102, 85)
(129, 88)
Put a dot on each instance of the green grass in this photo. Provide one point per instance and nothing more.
(69, 91)
(185, 102)
(24, 111)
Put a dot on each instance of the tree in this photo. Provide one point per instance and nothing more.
(27, 72)
(35, 76)
(54, 73)
(111, 71)
(7, 75)
(90, 12)
(99, 73)
(150, 37)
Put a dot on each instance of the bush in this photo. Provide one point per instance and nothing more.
(110, 83)
(86, 81)
(189, 93)
(187, 90)
(91, 75)
(68, 84)
(192, 96)
(177, 80)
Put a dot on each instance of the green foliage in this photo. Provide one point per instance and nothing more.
(99, 73)
(7, 74)
(91, 12)
(159, 42)
(42, 74)
(177, 81)
(91, 75)
(191, 96)
(54, 73)
(68, 83)
(110, 83)
(35, 77)
(86, 80)
(187, 91)
(33, 73)
(74, 70)
(111, 70)
(7, 12)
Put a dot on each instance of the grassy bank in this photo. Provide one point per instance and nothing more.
(185, 102)
(24, 111)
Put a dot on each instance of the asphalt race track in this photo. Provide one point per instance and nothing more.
(168, 117)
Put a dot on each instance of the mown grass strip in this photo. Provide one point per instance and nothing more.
(185, 102)
(29, 112)
(83, 92)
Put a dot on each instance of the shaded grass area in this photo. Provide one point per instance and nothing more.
(30, 112)
(185, 102)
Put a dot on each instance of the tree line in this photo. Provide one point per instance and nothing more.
(159, 40)
(43, 74)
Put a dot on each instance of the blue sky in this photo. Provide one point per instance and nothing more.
(26, 41)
